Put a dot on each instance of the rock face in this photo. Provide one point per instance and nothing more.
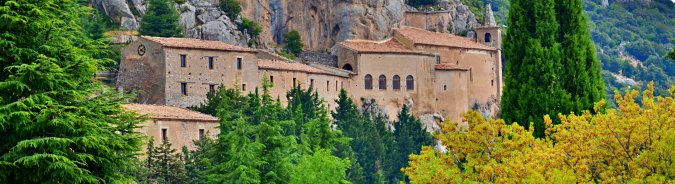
(463, 20)
(200, 19)
(322, 23)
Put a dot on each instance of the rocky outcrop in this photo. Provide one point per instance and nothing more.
(463, 20)
(200, 19)
(322, 23)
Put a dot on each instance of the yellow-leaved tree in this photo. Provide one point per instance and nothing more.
(633, 143)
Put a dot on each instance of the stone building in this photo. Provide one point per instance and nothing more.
(177, 125)
(438, 74)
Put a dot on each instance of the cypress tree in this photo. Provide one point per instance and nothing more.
(581, 75)
(532, 80)
(410, 136)
(161, 20)
(56, 124)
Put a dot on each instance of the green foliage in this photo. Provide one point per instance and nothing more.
(164, 164)
(287, 55)
(232, 7)
(57, 125)
(531, 47)
(418, 3)
(581, 75)
(161, 20)
(320, 167)
(252, 27)
(293, 42)
(410, 136)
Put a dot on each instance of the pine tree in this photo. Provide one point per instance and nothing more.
(581, 75)
(161, 20)
(165, 164)
(410, 136)
(56, 124)
(532, 80)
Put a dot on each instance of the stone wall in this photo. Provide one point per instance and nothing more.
(431, 21)
(317, 57)
(179, 132)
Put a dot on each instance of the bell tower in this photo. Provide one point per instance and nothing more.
(489, 33)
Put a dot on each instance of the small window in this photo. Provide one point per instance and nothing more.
(212, 88)
(410, 83)
(201, 134)
(164, 136)
(238, 63)
(327, 85)
(294, 84)
(488, 38)
(336, 85)
(368, 80)
(211, 63)
(311, 83)
(396, 82)
(445, 87)
(183, 88)
(382, 82)
(438, 60)
(243, 87)
(272, 79)
(183, 62)
(493, 82)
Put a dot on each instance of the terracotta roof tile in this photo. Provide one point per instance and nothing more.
(449, 67)
(289, 66)
(168, 112)
(420, 36)
(386, 46)
(196, 44)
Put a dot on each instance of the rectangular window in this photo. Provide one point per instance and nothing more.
(471, 74)
(272, 79)
(327, 85)
(183, 62)
(212, 88)
(183, 88)
(294, 82)
(493, 82)
(311, 82)
(164, 136)
(211, 63)
(336, 85)
(238, 63)
(243, 87)
(201, 134)
(438, 60)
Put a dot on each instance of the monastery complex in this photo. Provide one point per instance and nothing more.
(439, 75)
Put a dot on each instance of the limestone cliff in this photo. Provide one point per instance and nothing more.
(321, 23)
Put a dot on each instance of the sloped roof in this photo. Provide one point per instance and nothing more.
(289, 66)
(449, 67)
(162, 112)
(191, 43)
(385, 46)
(420, 36)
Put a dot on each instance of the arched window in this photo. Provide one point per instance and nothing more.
(488, 38)
(396, 82)
(383, 82)
(410, 82)
(347, 67)
(368, 81)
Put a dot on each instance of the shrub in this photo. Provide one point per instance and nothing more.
(254, 28)
(293, 42)
(232, 7)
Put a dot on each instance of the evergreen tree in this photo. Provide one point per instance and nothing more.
(410, 136)
(56, 124)
(161, 20)
(581, 72)
(164, 164)
(293, 42)
(532, 80)
(320, 167)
